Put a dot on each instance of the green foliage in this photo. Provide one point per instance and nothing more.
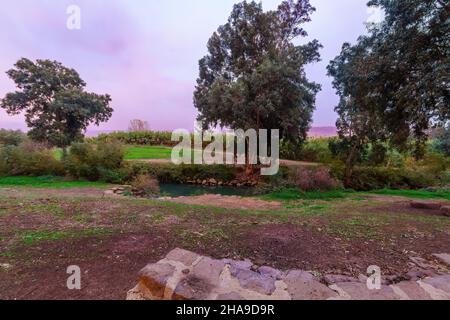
(442, 142)
(148, 138)
(169, 173)
(374, 178)
(11, 137)
(317, 150)
(393, 83)
(94, 162)
(45, 182)
(57, 109)
(253, 75)
(288, 194)
(28, 159)
(144, 152)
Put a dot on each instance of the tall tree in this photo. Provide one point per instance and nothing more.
(57, 109)
(394, 83)
(253, 75)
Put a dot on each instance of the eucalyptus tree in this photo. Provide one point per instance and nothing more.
(253, 76)
(394, 83)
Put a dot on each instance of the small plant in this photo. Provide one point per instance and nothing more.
(145, 185)
(314, 179)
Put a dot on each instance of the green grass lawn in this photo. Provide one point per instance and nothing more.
(46, 182)
(137, 152)
(294, 194)
(147, 152)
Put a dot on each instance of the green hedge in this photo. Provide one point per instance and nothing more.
(149, 138)
(375, 178)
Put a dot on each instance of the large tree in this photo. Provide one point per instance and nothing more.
(57, 108)
(253, 75)
(394, 83)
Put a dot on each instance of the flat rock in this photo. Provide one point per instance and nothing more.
(185, 257)
(271, 272)
(440, 282)
(359, 291)
(444, 258)
(154, 278)
(192, 288)
(232, 296)
(254, 281)
(209, 270)
(302, 286)
(335, 278)
(246, 264)
(412, 290)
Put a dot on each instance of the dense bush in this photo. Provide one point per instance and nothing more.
(103, 161)
(317, 150)
(11, 137)
(169, 173)
(28, 159)
(313, 179)
(374, 178)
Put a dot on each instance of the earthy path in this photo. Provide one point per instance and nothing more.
(229, 202)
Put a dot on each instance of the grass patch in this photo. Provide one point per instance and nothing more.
(32, 237)
(147, 152)
(418, 194)
(295, 194)
(46, 182)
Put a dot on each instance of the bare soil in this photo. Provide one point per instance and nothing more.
(112, 239)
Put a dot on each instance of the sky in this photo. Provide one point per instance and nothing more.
(145, 53)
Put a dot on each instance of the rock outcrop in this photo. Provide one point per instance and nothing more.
(184, 275)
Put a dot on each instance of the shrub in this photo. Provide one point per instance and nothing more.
(170, 173)
(150, 138)
(375, 178)
(12, 137)
(442, 142)
(314, 179)
(317, 150)
(29, 159)
(145, 184)
(102, 161)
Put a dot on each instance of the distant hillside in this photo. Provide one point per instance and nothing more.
(323, 132)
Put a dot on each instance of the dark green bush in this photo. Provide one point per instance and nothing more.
(170, 173)
(375, 178)
(102, 161)
(28, 159)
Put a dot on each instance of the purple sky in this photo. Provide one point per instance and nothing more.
(145, 52)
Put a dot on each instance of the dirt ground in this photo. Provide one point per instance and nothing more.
(230, 202)
(42, 232)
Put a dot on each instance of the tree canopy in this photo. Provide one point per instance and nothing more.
(394, 83)
(57, 108)
(253, 75)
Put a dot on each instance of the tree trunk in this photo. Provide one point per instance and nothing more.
(349, 165)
